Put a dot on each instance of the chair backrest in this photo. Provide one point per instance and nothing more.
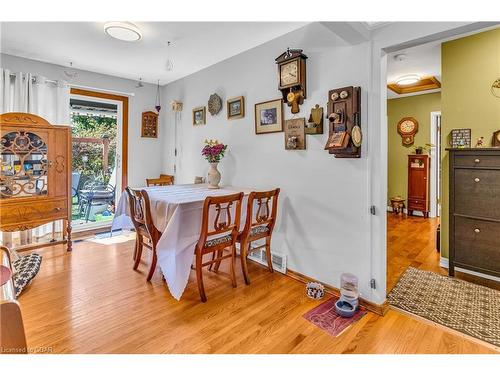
(266, 211)
(140, 209)
(225, 211)
(167, 177)
(159, 181)
(199, 180)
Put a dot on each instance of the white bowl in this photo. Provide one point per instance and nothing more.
(315, 290)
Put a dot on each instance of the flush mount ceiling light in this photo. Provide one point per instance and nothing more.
(408, 79)
(125, 31)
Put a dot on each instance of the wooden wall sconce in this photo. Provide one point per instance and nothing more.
(315, 123)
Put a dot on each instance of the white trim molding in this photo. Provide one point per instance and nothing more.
(444, 262)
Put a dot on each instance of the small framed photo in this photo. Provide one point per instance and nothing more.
(199, 116)
(461, 138)
(236, 108)
(269, 117)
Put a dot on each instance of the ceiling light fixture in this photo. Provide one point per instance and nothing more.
(125, 31)
(170, 64)
(408, 79)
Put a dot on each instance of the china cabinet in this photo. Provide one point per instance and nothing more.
(35, 175)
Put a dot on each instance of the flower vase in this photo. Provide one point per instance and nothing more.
(213, 176)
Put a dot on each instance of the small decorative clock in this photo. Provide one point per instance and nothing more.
(407, 128)
(292, 77)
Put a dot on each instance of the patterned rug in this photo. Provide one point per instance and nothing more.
(325, 317)
(465, 307)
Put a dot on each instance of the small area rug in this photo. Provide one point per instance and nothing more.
(465, 307)
(325, 317)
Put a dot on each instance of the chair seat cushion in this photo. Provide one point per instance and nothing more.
(218, 241)
(27, 267)
(259, 230)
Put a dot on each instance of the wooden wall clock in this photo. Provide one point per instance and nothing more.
(407, 128)
(292, 77)
(149, 125)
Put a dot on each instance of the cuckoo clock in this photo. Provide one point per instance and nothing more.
(292, 77)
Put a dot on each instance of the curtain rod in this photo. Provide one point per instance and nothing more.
(34, 79)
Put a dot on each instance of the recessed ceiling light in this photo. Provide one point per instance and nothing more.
(408, 79)
(126, 31)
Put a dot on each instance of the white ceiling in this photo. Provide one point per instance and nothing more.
(195, 45)
(424, 60)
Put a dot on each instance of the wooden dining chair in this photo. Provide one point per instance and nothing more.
(163, 180)
(259, 224)
(221, 235)
(146, 233)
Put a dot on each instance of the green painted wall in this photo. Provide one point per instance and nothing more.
(468, 66)
(419, 107)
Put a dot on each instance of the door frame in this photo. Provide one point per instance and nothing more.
(124, 130)
(435, 156)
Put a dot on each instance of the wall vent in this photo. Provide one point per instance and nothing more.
(279, 259)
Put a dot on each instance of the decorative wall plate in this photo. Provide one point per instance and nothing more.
(214, 104)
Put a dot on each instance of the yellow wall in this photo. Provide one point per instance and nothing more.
(419, 107)
(469, 66)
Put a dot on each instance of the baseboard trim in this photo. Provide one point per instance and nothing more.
(370, 306)
(445, 263)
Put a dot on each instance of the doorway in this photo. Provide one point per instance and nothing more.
(99, 128)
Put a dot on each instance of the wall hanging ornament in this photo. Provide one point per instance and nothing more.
(214, 104)
(495, 88)
(158, 106)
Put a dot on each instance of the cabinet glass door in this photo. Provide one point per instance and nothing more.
(24, 165)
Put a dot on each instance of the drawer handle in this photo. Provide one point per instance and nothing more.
(57, 209)
(477, 230)
(477, 161)
(477, 179)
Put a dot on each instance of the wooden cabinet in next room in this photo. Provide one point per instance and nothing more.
(418, 184)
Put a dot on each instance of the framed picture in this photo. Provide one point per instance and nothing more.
(199, 116)
(460, 138)
(269, 117)
(236, 108)
(149, 125)
(295, 135)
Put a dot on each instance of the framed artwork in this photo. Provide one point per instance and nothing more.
(149, 125)
(295, 135)
(236, 108)
(269, 117)
(460, 138)
(199, 116)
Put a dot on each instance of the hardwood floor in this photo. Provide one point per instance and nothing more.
(411, 241)
(91, 301)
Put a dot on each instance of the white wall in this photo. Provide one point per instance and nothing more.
(324, 211)
(145, 154)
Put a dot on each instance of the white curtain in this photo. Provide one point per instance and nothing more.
(27, 92)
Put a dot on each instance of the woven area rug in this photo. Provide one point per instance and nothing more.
(465, 307)
(325, 317)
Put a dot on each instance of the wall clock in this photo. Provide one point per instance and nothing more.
(292, 77)
(496, 139)
(407, 128)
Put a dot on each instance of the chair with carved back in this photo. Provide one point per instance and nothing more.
(259, 224)
(218, 235)
(140, 212)
(161, 181)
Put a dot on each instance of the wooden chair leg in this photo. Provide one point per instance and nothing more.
(139, 252)
(199, 278)
(233, 260)
(213, 258)
(220, 253)
(268, 254)
(153, 266)
(243, 258)
(135, 247)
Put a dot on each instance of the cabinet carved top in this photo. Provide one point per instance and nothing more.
(20, 118)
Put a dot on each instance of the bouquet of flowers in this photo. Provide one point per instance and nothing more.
(213, 150)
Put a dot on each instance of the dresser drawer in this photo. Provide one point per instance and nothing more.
(477, 192)
(417, 204)
(25, 214)
(477, 244)
(477, 161)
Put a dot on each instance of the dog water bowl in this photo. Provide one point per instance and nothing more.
(344, 308)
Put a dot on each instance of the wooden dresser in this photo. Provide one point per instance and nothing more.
(475, 210)
(418, 184)
(35, 174)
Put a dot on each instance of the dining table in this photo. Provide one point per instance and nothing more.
(176, 212)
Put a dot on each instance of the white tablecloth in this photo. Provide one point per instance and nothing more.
(176, 211)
